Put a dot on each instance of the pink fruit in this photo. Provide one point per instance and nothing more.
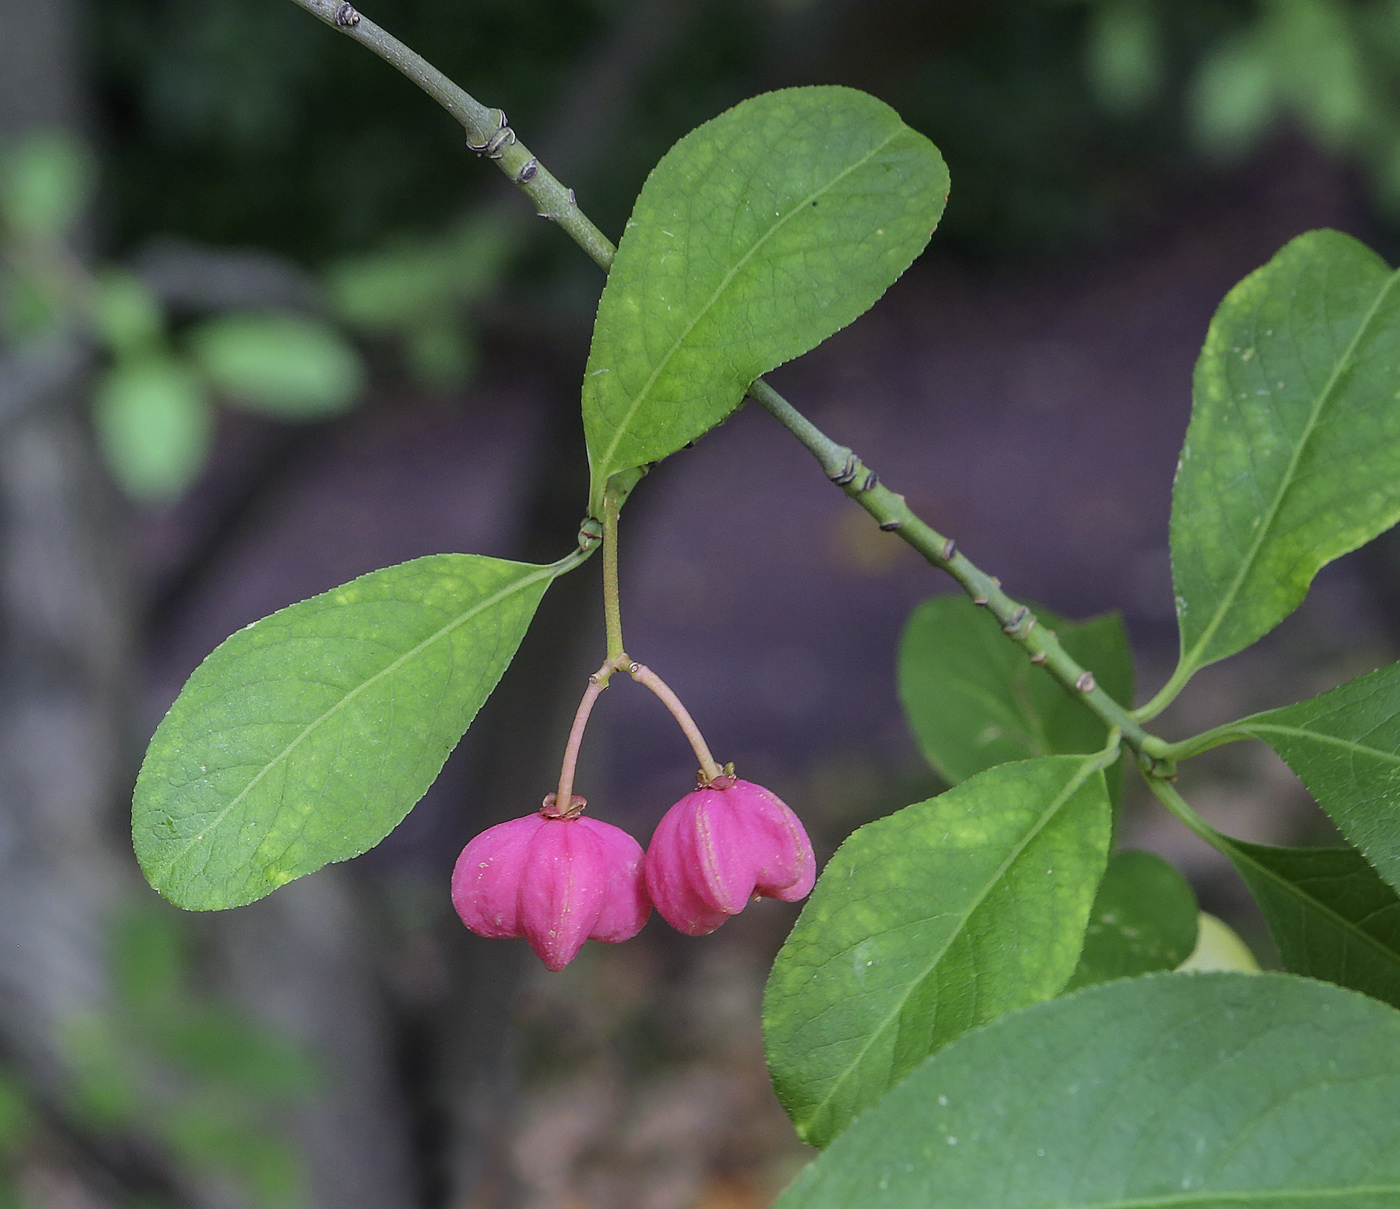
(719, 847)
(555, 881)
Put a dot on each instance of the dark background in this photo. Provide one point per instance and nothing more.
(1116, 165)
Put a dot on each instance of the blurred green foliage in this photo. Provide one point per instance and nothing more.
(153, 396)
(251, 123)
(167, 1069)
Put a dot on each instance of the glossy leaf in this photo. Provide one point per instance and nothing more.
(1205, 1090)
(974, 699)
(756, 237)
(279, 364)
(1345, 747)
(306, 737)
(1292, 456)
(154, 426)
(1330, 915)
(1143, 919)
(928, 922)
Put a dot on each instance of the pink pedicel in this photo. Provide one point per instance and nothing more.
(555, 881)
(720, 846)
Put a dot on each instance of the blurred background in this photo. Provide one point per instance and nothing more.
(267, 326)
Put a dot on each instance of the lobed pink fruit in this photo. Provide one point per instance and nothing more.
(719, 847)
(555, 881)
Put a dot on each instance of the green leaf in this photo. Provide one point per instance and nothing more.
(1292, 456)
(1233, 97)
(279, 364)
(46, 180)
(928, 922)
(306, 737)
(1143, 919)
(126, 313)
(1330, 915)
(1345, 747)
(756, 237)
(974, 699)
(154, 427)
(1213, 1091)
(1123, 55)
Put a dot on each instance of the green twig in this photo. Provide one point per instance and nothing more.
(1019, 624)
(486, 131)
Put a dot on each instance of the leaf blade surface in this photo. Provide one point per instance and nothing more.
(1292, 456)
(1144, 919)
(1344, 745)
(306, 737)
(973, 699)
(1329, 913)
(928, 922)
(1253, 1091)
(756, 236)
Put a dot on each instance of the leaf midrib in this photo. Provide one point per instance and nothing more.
(1259, 729)
(1192, 658)
(621, 427)
(1345, 924)
(1072, 786)
(544, 572)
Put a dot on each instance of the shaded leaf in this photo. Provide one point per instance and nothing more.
(306, 737)
(1206, 1090)
(1292, 456)
(1330, 915)
(756, 237)
(278, 363)
(974, 699)
(1345, 747)
(1143, 919)
(928, 922)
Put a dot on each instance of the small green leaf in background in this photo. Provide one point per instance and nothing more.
(306, 737)
(420, 293)
(1292, 456)
(1330, 915)
(46, 181)
(940, 917)
(394, 289)
(1345, 747)
(1124, 54)
(278, 363)
(756, 237)
(974, 699)
(1143, 919)
(1206, 1090)
(154, 427)
(1317, 62)
(1232, 99)
(126, 315)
